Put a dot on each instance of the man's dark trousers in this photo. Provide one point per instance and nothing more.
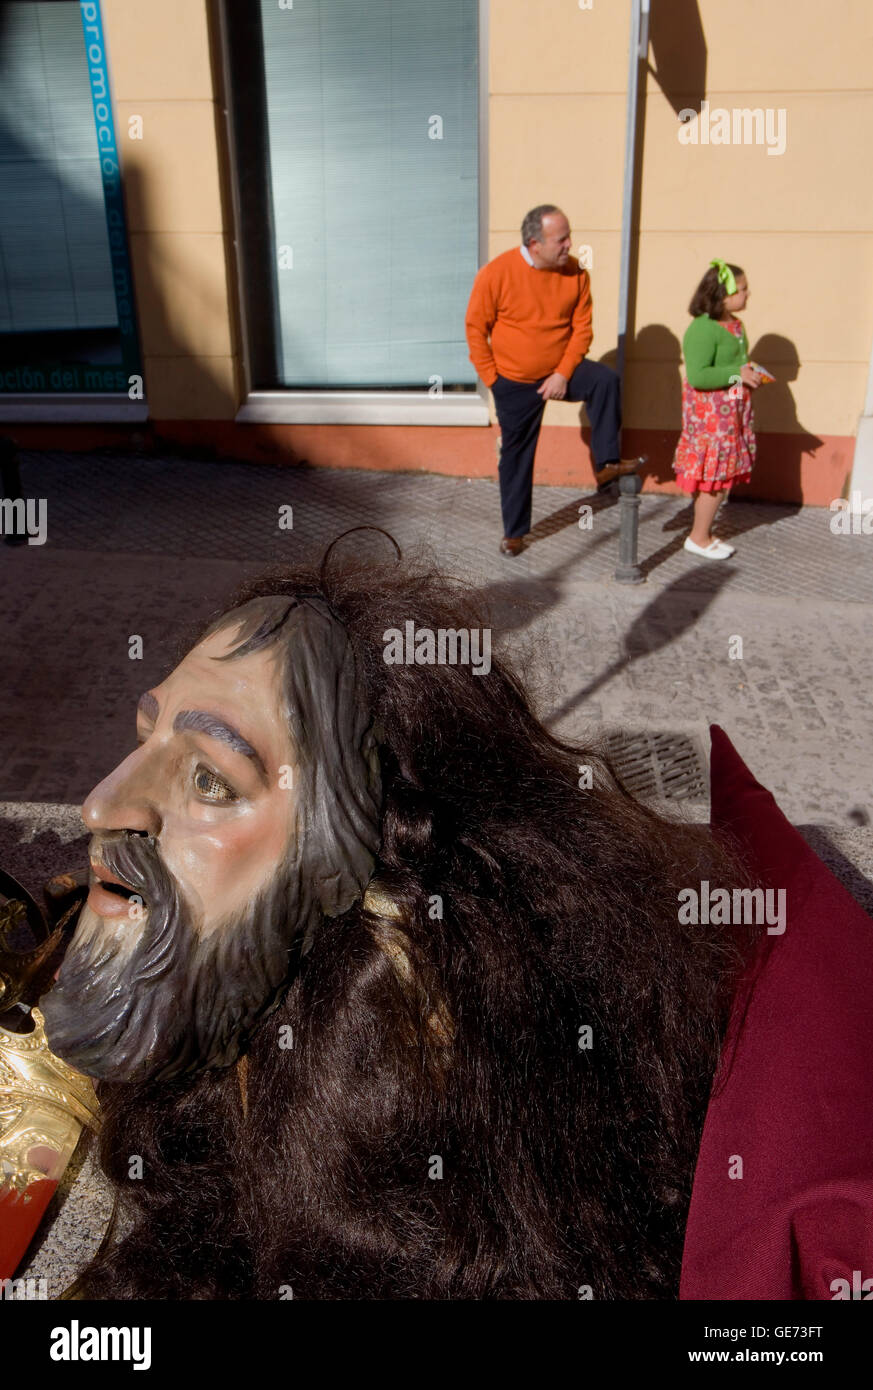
(520, 413)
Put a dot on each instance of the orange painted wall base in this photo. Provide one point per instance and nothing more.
(785, 471)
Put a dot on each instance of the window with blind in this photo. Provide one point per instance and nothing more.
(58, 306)
(356, 140)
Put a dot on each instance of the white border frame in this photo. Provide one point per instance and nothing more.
(354, 407)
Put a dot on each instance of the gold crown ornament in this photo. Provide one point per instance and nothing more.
(44, 1104)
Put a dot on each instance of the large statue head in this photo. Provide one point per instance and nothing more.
(247, 812)
(476, 1040)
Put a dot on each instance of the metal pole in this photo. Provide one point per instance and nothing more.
(639, 49)
(627, 570)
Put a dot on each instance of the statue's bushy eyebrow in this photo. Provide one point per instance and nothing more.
(201, 721)
(148, 705)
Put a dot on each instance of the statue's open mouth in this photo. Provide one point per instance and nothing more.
(111, 896)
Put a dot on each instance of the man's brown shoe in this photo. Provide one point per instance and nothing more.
(620, 469)
(511, 545)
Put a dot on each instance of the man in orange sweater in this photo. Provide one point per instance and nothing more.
(528, 330)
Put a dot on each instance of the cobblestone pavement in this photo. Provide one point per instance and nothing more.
(148, 545)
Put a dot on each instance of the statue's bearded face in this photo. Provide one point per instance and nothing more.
(189, 835)
(205, 783)
(215, 843)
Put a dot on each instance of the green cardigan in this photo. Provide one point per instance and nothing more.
(712, 353)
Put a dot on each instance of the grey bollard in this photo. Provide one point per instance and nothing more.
(628, 571)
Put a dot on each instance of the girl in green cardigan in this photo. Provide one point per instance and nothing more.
(717, 444)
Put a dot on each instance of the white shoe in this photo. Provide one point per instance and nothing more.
(716, 550)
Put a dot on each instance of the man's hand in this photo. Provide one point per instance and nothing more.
(554, 388)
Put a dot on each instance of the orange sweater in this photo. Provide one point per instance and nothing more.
(539, 321)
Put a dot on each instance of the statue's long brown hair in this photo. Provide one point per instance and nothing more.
(434, 1129)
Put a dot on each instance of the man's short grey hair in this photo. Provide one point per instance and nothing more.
(532, 226)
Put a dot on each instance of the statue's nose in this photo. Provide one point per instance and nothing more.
(125, 799)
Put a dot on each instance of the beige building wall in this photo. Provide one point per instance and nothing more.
(163, 72)
(800, 223)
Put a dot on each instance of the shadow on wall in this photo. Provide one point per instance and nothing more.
(678, 46)
(653, 384)
(653, 391)
(776, 413)
(163, 317)
(653, 379)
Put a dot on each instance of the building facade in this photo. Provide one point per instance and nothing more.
(253, 227)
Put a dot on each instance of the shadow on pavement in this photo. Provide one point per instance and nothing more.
(842, 868)
(660, 623)
(568, 515)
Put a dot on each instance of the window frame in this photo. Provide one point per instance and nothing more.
(88, 407)
(285, 405)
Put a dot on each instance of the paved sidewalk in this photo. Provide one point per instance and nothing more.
(148, 546)
(145, 545)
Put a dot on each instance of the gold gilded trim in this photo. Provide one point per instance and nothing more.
(395, 944)
(379, 903)
(43, 1104)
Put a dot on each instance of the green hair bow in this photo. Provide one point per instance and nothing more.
(725, 276)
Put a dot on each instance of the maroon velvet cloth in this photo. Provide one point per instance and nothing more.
(794, 1094)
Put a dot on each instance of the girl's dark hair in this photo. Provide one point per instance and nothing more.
(498, 1093)
(710, 294)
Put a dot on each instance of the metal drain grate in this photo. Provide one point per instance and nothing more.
(670, 766)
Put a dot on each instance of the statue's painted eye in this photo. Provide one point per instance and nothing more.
(211, 788)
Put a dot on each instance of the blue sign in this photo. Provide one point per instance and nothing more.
(110, 173)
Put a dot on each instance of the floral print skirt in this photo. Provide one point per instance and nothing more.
(717, 446)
